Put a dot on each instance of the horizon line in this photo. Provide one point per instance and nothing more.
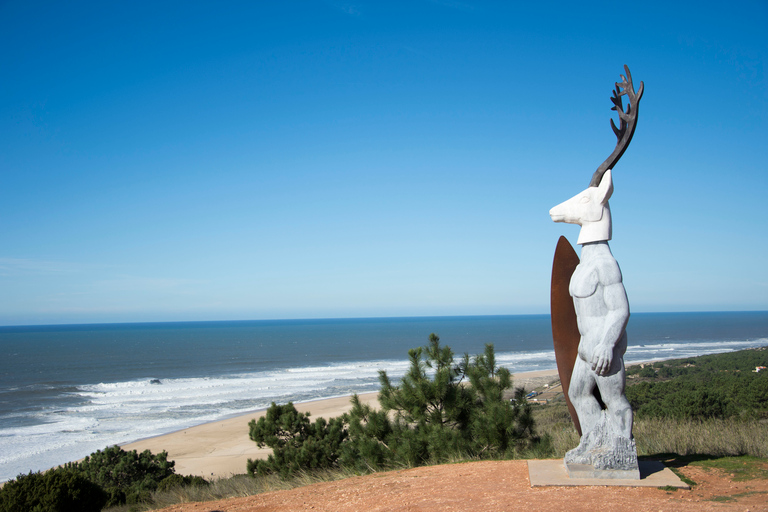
(307, 319)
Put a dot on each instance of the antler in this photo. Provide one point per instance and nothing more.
(627, 122)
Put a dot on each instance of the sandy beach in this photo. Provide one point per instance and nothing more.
(222, 448)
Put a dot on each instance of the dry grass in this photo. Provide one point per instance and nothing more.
(720, 438)
(716, 437)
(554, 421)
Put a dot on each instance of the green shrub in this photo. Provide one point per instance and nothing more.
(127, 477)
(58, 490)
(175, 481)
(296, 442)
(722, 394)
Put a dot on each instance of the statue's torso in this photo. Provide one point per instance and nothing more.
(597, 270)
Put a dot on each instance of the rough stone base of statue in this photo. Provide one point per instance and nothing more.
(603, 453)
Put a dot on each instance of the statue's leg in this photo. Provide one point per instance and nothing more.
(580, 392)
(612, 392)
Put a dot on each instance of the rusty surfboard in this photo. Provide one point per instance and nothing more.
(565, 329)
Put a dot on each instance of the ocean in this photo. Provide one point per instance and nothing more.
(68, 390)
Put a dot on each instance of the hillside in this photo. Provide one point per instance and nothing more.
(492, 486)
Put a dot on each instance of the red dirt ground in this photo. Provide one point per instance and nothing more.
(494, 486)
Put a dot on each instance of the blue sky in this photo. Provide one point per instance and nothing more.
(165, 161)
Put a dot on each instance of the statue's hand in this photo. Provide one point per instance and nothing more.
(601, 359)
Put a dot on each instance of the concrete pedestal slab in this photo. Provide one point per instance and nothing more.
(553, 473)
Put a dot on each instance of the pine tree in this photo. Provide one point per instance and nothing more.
(437, 414)
(439, 410)
(419, 399)
(498, 426)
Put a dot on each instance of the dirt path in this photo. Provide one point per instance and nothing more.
(493, 486)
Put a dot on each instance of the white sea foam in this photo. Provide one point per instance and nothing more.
(691, 349)
(119, 412)
(110, 413)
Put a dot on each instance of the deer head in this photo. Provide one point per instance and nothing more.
(589, 209)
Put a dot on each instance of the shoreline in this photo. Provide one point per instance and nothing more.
(221, 448)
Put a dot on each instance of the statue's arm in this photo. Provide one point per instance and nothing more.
(615, 321)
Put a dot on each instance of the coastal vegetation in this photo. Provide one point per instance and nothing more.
(712, 386)
(107, 478)
(56, 490)
(441, 410)
(126, 477)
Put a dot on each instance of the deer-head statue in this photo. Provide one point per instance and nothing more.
(589, 208)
